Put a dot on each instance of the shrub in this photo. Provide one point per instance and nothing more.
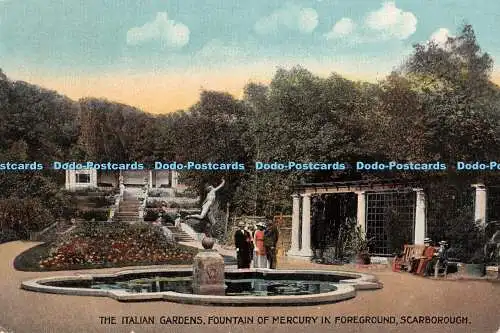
(150, 214)
(185, 205)
(7, 235)
(153, 204)
(85, 191)
(102, 201)
(451, 218)
(23, 215)
(186, 194)
(97, 215)
(157, 193)
(168, 218)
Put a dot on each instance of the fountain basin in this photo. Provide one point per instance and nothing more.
(243, 286)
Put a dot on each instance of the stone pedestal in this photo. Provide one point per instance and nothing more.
(208, 273)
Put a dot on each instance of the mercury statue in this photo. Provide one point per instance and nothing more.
(208, 202)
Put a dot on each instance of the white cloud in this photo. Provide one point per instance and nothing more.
(344, 27)
(308, 20)
(292, 17)
(171, 33)
(216, 50)
(392, 22)
(440, 37)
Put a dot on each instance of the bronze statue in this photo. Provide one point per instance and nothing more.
(208, 202)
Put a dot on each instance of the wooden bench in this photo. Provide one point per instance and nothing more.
(410, 251)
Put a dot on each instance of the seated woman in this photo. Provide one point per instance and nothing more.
(416, 260)
(426, 258)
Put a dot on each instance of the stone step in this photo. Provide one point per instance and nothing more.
(182, 236)
(129, 221)
(179, 234)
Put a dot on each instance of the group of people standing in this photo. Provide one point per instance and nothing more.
(256, 248)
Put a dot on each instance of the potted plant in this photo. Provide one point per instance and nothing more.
(361, 247)
(476, 266)
(363, 257)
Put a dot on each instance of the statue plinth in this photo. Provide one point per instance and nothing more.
(208, 271)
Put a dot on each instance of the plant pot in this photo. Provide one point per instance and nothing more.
(475, 269)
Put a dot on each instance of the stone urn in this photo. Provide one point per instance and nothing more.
(208, 270)
(207, 243)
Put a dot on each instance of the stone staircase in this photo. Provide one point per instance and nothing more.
(128, 210)
(179, 234)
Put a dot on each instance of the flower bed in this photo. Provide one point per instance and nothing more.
(95, 245)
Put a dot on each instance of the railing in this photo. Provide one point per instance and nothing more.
(144, 198)
(35, 235)
(114, 208)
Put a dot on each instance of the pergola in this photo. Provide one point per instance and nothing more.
(301, 211)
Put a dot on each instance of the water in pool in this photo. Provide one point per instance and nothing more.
(234, 287)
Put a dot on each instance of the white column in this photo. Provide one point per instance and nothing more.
(67, 181)
(93, 177)
(71, 180)
(150, 180)
(480, 204)
(294, 248)
(174, 179)
(361, 211)
(305, 250)
(420, 222)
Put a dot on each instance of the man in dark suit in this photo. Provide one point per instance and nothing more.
(241, 242)
(270, 242)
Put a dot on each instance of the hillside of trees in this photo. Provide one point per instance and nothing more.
(439, 105)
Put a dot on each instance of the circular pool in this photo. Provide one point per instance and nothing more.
(243, 286)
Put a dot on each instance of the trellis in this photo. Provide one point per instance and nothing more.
(390, 219)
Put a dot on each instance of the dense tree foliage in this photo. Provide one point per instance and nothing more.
(440, 105)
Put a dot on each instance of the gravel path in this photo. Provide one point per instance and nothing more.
(403, 295)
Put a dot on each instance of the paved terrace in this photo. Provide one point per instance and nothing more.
(403, 294)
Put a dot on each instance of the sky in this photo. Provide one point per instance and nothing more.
(159, 54)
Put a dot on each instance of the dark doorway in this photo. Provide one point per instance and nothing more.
(329, 215)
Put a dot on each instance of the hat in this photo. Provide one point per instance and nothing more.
(427, 240)
(241, 224)
(260, 224)
(443, 242)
